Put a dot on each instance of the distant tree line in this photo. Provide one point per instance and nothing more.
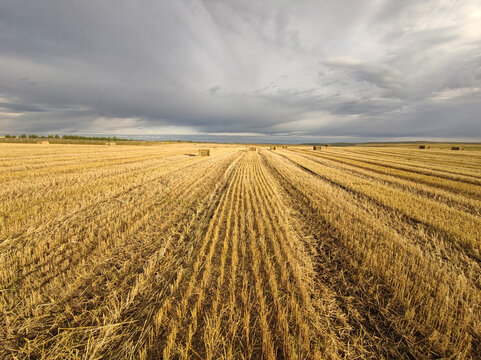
(76, 137)
(67, 137)
(23, 136)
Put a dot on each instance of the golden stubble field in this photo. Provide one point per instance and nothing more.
(151, 252)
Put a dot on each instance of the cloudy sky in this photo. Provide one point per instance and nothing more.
(261, 71)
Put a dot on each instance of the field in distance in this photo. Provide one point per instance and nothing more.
(151, 252)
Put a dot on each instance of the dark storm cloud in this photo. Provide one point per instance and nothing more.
(21, 107)
(275, 68)
(377, 74)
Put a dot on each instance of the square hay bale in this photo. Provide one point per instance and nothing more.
(284, 146)
(204, 152)
(328, 145)
(457, 148)
(272, 148)
(252, 148)
(317, 147)
(422, 146)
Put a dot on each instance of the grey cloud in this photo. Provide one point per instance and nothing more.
(21, 107)
(214, 90)
(377, 74)
(310, 68)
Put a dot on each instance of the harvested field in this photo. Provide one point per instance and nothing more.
(149, 252)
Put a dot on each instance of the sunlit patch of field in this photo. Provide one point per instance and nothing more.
(153, 252)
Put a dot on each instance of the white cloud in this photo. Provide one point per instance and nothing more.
(450, 94)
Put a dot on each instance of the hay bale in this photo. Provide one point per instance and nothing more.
(252, 148)
(272, 148)
(204, 152)
(45, 142)
(455, 148)
(284, 146)
(422, 146)
(316, 147)
(328, 145)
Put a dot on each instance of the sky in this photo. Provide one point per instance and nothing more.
(241, 70)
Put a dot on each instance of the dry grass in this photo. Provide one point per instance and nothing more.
(149, 252)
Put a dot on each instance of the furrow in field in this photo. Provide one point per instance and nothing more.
(83, 162)
(55, 182)
(337, 292)
(249, 317)
(25, 166)
(299, 301)
(183, 325)
(35, 163)
(429, 240)
(467, 163)
(149, 255)
(64, 200)
(214, 268)
(66, 154)
(231, 316)
(69, 169)
(275, 317)
(272, 271)
(266, 336)
(331, 323)
(414, 295)
(453, 169)
(454, 184)
(286, 254)
(83, 231)
(215, 333)
(71, 253)
(164, 287)
(463, 229)
(456, 201)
